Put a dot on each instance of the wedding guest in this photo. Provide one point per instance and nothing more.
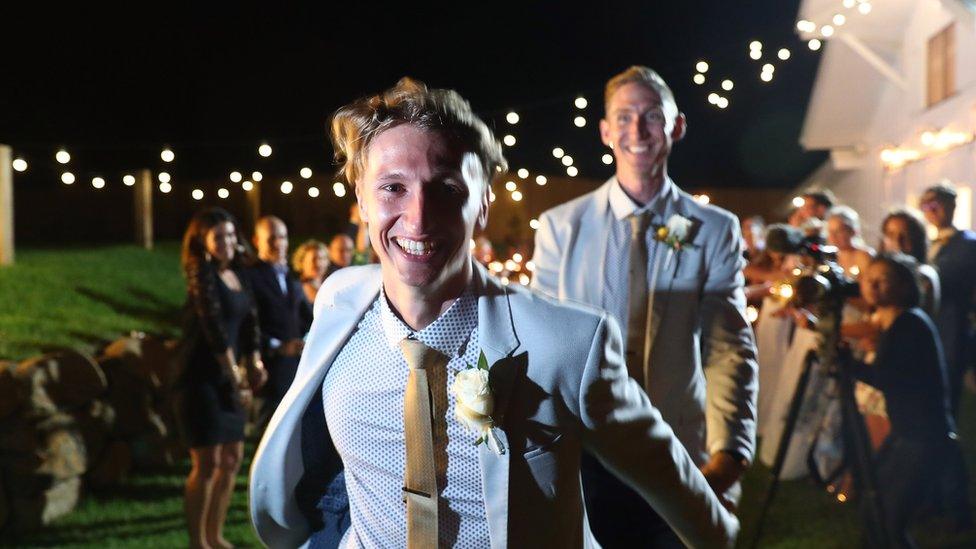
(909, 368)
(844, 233)
(395, 437)
(953, 254)
(904, 231)
(283, 312)
(220, 333)
(816, 204)
(311, 262)
(680, 298)
(341, 250)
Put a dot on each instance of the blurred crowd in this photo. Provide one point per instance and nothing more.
(907, 331)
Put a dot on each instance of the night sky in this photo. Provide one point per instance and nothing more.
(213, 81)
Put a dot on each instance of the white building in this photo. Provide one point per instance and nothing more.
(894, 101)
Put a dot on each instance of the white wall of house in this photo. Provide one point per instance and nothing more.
(896, 114)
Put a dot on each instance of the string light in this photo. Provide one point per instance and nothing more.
(128, 180)
(540, 180)
(164, 177)
(806, 26)
(534, 224)
(798, 201)
(784, 54)
(722, 103)
(313, 192)
(755, 45)
(607, 159)
(572, 171)
(827, 31)
(510, 186)
(62, 156)
(197, 194)
(849, 3)
(264, 150)
(523, 173)
(558, 153)
(286, 187)
(766, 77)
(306, 173)
(580, 102)
(339, 189)
(864, 8)
(699, 79)
(247, 186)
(517, 257)
(814, 44)
(509, 140)
(839, 19)
(491, 196)
(517, 196)
(257, 177)
(167, 155)
(579, 121)
(701, 67)
(756, 55)
(727, 85)
(512, 117)
(713, 98)
(223, 193)
(165, 188)
(98, 182)
(567, 160)
(19, 165)
(236, 177)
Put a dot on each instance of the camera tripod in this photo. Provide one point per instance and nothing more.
(857, 447)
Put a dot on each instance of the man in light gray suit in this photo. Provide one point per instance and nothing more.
(434, 406)
(669, 270)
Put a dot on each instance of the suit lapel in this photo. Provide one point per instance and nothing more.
(499, 342)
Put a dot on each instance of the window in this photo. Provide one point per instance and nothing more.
(941, 65)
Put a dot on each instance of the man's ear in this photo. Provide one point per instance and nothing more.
(362, 205)
(482, 220)
(605, 133)
(680, 128)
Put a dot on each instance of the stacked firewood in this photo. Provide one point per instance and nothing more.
(70, 422)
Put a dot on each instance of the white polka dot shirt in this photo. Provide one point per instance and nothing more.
(363, 401)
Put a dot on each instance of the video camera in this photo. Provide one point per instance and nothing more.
(823, 279)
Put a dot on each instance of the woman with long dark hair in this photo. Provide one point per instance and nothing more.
(909, 368)
(220, 332)
(904, 231)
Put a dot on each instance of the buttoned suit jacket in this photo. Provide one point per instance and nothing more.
(559, 384)
(703, 369)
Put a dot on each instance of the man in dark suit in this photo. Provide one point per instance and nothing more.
(283, 312)
(953, 254)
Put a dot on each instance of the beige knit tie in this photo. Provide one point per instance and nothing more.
(420, 479)
(637, 296)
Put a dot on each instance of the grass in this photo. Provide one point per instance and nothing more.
(82, 297)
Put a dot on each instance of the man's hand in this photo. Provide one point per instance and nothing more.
(722, 472)
(292, 347)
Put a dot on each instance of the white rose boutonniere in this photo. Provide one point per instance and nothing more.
(475, 403)
(674, 233)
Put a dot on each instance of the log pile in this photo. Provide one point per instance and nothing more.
(69, 422)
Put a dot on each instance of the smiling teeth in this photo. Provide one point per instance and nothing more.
(414, 247)
(637, 149)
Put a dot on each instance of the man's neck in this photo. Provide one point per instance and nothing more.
(886, 316)
(419, 307)
(641, 187)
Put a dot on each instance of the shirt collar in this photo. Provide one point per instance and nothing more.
(945, 234)
(624, 206)
(447, 333)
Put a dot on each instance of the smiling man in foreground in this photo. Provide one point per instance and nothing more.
(434, 406)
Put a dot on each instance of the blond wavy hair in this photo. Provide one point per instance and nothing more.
(355, 125)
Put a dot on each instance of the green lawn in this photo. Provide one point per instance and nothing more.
(81, 297)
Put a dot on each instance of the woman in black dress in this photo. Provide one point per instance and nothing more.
(220, 332)
(910, 370)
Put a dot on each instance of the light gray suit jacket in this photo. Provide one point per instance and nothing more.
(560, 385)
(698, 316)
